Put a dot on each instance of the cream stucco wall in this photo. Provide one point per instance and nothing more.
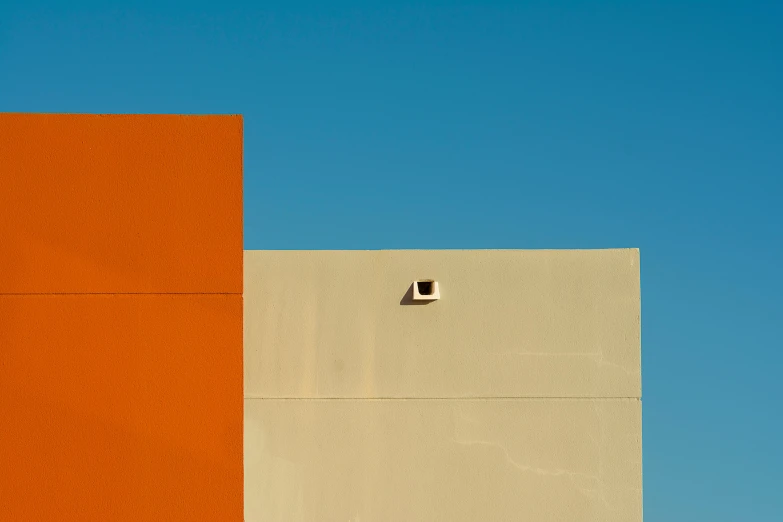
(516, 396)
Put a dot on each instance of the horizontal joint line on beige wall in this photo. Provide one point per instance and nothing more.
(259, 398)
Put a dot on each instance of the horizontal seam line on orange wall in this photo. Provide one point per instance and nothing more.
(440, 398)
(117, 293)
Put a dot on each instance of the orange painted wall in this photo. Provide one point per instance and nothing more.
(120, 318)
(122, 203)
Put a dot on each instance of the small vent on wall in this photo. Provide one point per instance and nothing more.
(426, 290)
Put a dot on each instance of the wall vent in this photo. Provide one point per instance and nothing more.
(426, 290)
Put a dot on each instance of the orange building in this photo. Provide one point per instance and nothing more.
(120, 318)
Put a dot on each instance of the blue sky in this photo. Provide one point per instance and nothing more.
(530, 125)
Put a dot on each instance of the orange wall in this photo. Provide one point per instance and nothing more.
(120, 318)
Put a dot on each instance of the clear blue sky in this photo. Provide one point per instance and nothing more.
(548, 125)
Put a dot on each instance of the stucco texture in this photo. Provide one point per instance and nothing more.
(443, 460)
(509, 324)
(515, 396)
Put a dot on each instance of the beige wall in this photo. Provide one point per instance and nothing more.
(516, 396)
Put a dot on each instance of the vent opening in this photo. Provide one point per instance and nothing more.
(424, 287)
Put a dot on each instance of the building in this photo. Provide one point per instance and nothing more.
(515, 396)
(152, 370)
